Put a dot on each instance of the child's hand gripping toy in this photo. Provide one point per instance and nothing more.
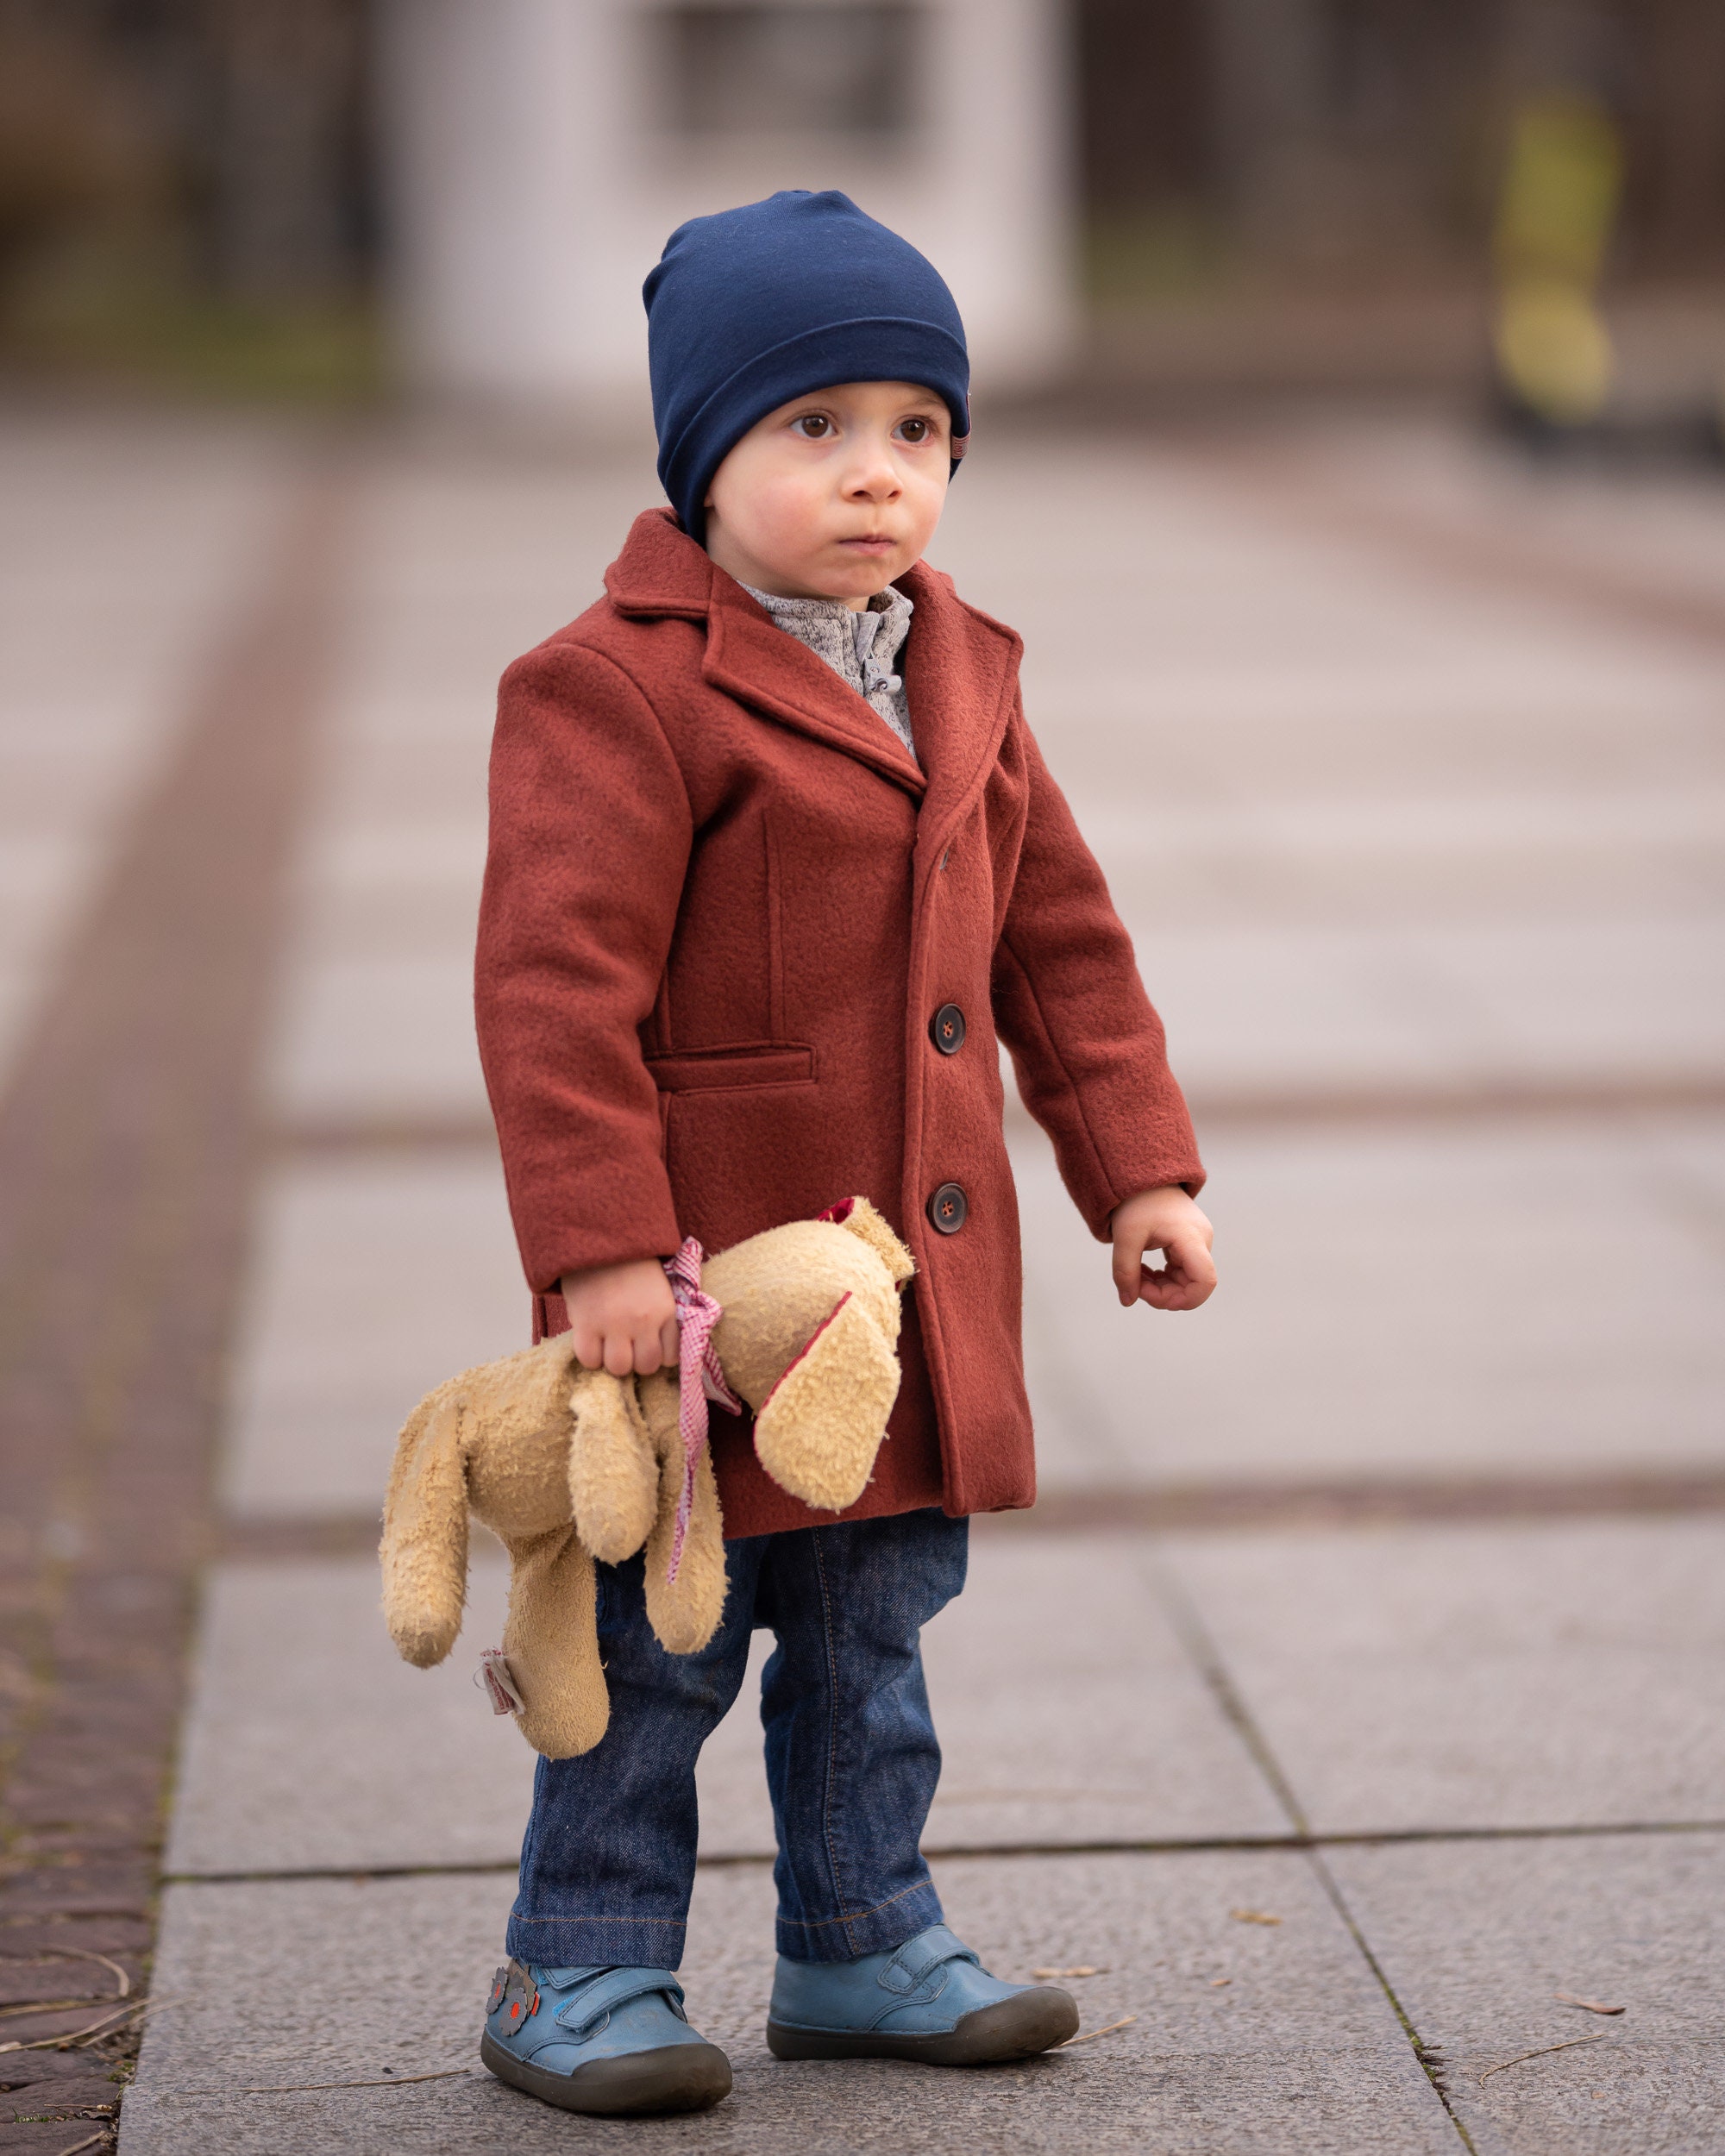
(566, 1464)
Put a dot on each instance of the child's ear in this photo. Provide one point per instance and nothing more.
(424, 1549)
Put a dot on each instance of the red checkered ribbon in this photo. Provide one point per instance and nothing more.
(698, 1375)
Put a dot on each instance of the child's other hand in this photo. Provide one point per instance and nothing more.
(1165, 1220)
(624, 1317)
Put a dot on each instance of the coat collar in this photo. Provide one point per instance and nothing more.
(960, 668)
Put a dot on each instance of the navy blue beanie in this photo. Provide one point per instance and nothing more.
(752, 307)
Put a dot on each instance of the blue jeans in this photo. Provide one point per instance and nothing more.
(609, 1858)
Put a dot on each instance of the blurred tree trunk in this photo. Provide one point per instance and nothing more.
(285, 135)
(1148, 94)
(1675, 120)
(1346, 126)
(1270, 116)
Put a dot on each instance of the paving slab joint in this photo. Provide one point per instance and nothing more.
(1195, 1635)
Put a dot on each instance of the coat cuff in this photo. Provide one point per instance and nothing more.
(614, 1218)
(1187, 1174)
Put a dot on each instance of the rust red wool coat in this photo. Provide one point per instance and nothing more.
(738, 957)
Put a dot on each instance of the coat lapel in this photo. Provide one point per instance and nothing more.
(751, 658)
(662, 571)
(960, 668)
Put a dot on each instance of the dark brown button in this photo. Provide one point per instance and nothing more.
(948, 1207)
(946, 1028)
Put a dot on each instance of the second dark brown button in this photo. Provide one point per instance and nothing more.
(946, 1028)
(948, 1207)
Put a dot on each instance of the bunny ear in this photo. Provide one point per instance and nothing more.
(551, 1639)
(860, 1217)
(818, 1430)
(613, 1470)
(684, 1613)
(424, 1549)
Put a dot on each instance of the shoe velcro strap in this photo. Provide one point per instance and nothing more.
(611, 1989)
(919, 1960)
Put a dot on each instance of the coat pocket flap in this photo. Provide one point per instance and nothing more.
(707, 1070)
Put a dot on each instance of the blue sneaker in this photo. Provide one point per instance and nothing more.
(930, 1999)
(601, 2040)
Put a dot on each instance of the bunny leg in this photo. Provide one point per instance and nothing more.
(613, 1468)
(551, 1640)
(818, 1430)
(424, 1552)
(684, 1613)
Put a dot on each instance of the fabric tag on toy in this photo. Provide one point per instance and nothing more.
(493, 1673)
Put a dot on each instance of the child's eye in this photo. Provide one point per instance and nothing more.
(915, 430)
(814, 426)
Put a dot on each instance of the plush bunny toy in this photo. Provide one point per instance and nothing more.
(566, 1464)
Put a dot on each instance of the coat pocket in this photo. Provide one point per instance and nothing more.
(747, 1064)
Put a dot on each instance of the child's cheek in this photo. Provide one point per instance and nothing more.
(793, 511)
(927, 497)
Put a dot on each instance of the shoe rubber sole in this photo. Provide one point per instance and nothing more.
(1018, 2027)
(670, 2077)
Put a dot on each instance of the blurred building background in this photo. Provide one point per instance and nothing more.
(535, 154)
(1169, 196)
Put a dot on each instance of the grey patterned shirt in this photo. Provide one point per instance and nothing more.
(861, 648)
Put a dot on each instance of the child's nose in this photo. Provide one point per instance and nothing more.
(874, 477)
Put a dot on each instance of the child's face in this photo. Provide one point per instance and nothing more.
(833, 495)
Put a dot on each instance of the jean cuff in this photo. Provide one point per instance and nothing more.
(877, 1931)
(597, 1942)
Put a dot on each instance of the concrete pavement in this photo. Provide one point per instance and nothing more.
(1413, 796)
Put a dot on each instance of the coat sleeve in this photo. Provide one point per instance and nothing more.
(1087, 1048)
(589, 838)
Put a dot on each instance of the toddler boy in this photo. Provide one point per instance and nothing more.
(773, 860)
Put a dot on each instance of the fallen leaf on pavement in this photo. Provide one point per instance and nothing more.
(1591, 2005)
(396, 2081)
(1544, 2052)
(1125, 2021)
(1253, 1916)
(1216, 1983)
(1083, 1968)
